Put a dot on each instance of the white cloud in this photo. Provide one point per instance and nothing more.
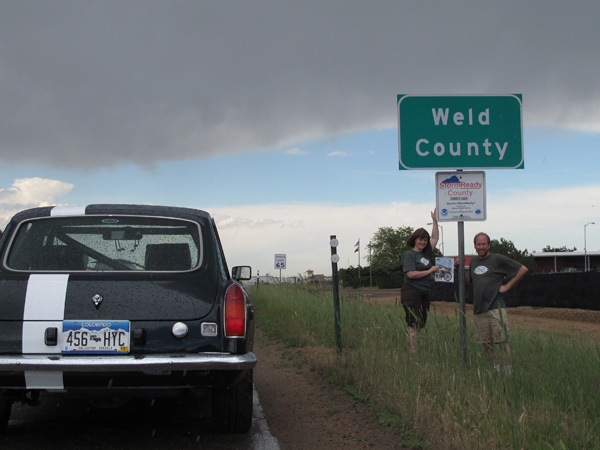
(28, 193)
(301, 231)
(296, 151)
(34, 191)
(339, 153)
(535, 219)
(531, 220)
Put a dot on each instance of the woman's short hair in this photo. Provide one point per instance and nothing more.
(418, 233)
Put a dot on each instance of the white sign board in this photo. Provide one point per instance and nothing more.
(445, 273)
(280, 261)
(460, 196)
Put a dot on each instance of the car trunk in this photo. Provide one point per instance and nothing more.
(186, 298)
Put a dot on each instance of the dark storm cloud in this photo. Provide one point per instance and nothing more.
(88, 84)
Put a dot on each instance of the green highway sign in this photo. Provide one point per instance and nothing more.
(460, 132)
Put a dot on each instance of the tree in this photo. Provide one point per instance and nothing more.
(388, 246)
(548, 249)
(507, 248)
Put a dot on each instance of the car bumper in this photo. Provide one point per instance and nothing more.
(127, 363)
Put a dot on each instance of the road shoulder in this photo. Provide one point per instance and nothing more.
(304, 410)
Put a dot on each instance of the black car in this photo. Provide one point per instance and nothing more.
(123, 301)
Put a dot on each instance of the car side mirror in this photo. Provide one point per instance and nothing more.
(241, 273)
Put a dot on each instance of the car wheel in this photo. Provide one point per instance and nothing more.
(232, 407)
(5, 407)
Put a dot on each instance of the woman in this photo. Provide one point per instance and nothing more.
(418, 267)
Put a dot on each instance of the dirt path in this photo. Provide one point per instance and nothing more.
(305, 411)
(555, 319)
(542, 319)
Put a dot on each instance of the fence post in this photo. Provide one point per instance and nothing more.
(333, 242)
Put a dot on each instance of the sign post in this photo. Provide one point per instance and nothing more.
(280, 262)
(460, 132)
(462, 303)
(333, 243)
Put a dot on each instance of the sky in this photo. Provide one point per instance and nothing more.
(280, 118)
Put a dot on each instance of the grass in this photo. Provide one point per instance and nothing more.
(432, 398)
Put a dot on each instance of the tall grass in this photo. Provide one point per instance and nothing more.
(550, 401)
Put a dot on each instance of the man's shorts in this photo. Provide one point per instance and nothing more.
(491, 327)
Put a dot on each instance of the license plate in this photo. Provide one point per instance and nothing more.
(95, 336)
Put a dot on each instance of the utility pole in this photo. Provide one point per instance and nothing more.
(357, 245)
(586, 266)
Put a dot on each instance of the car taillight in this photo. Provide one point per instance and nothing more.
(235, 311)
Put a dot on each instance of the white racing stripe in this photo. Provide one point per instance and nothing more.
(45, 298)
(68, 210)
(44, 308)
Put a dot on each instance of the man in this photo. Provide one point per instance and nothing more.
(487, 273)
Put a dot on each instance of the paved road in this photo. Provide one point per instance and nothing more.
(71, 425)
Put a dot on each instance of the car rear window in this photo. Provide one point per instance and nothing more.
(105, 243)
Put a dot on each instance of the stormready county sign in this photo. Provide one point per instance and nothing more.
(460, 196)
(460, 132)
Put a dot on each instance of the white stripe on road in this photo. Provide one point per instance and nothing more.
(263, 440)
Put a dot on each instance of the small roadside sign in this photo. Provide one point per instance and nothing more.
(280, 260)
(460, 196)
(460, 132)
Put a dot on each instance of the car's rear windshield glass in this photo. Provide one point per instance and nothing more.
(106, 243)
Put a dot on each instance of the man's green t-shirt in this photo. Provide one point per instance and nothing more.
(487, 275)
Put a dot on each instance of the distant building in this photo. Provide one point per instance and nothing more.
(269, 279)
(321, 278)
(550, 262)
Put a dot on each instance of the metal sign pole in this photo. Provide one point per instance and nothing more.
(461, 291)
(333, 242)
